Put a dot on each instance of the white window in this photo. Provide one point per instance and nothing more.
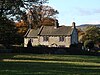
(61, 39)
(45, 38)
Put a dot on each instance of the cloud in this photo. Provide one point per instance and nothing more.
(97, 11)
(93, 22)
(86, 12)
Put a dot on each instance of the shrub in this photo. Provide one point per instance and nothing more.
(89, 44)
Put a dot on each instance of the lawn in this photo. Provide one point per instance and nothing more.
(34, 64)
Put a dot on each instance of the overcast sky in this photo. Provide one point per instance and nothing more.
(80, 11)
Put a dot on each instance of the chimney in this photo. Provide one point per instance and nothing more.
(56, 24)
(73, 25)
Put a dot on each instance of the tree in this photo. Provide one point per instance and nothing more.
(80, 35)
(48, 21)
(12, 10)
(9, 10)
(10, 7)
(91, 33)
(16, 10)
(38, 13)
(22, 27)
(8, 32)
(89, 44)
(15, 5)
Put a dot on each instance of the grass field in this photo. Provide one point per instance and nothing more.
(32, 64)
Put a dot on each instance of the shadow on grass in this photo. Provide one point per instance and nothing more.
(38, 68)
(7, 55)
(48, 68)
(43, 57)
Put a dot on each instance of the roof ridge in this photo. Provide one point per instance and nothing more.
(40, 30)
(27, 32)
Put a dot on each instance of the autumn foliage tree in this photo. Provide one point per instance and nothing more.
(48, 21)
(16, 10)
(22, 27)
(39, 15)
(91, 33)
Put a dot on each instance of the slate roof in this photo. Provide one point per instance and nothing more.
(50, 31)
(32, 33)
(61, 30)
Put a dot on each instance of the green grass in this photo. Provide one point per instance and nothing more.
(32, 64)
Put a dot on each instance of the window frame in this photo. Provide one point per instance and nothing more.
(61, 38)
(45, 38)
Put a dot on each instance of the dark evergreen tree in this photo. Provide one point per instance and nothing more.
(8, 31)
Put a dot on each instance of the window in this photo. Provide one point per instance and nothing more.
(61, 38)
(45, 38)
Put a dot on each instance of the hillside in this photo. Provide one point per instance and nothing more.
(83, 26)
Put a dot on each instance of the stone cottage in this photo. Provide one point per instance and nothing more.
(52, 36)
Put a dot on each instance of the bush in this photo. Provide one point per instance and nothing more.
(29, 45)
(89, 44)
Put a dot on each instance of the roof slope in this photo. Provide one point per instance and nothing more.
(61, 30)
(50, 31)
(32, 33)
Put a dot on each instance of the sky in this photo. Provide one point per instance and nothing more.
(79, 11)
